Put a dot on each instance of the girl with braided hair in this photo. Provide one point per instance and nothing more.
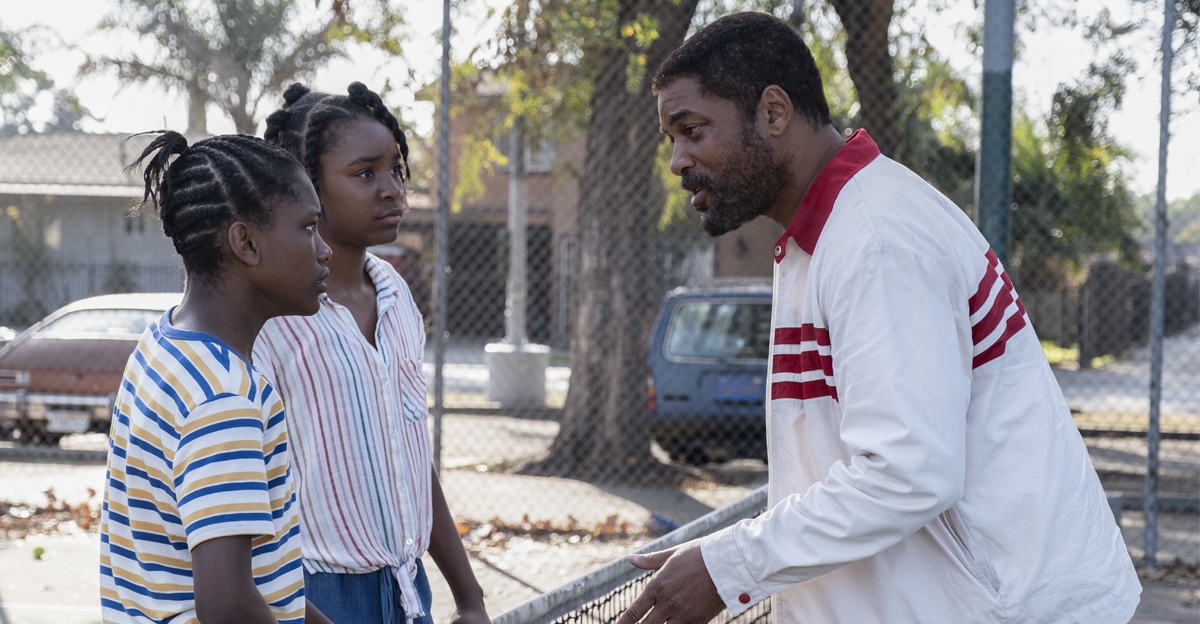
(370, 502)
(199, 522)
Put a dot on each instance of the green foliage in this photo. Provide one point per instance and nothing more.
(479, 155)
(675, 205)
(21, 85)
(1070, 193)
(1183, 220)
(233, 53)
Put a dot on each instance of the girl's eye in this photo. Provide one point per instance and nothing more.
(365, 173)
(311, 227)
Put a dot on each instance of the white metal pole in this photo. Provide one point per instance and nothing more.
(441, 250)
(1157, 295)
(518, 219)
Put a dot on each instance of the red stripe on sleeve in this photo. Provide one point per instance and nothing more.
(985, 285)
(991, 321)
(802, 390)
(1015, 323)
(788, 335)
(805, 333)
(802, 363)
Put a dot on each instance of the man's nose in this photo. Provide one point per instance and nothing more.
(681, 160)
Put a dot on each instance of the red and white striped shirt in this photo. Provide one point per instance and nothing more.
(924, 466)
(357, 424)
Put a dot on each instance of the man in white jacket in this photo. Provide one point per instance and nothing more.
(924, 467)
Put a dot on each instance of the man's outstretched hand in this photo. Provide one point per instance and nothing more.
(682, 592)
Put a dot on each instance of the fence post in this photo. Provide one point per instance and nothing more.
(1156, 295)
(796, 19)
(993, 166)
(441, 259)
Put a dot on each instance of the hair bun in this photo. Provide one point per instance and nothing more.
(294, 92)
(358, 90)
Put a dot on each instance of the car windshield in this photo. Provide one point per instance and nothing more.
(102, 322)
(738, 330)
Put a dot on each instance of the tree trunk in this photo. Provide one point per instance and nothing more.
(869, 61)
(197, 115)
(604, 433)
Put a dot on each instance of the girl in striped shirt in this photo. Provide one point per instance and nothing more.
(370, 503)
(199, 521)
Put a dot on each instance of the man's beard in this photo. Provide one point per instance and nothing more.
(750, 184)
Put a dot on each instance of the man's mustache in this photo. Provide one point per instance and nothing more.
(696, 181)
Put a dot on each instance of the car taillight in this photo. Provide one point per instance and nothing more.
(651, 403)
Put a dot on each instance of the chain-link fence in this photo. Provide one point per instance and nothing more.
(631, 397)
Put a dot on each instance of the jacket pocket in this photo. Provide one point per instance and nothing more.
(970, 556)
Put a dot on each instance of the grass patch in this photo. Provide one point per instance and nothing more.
(1058, 355)
(1135, 421)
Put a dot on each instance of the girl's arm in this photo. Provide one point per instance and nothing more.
(313, 615)
(224, 583)
(445, 546)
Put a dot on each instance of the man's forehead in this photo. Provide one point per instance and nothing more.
(684, 97)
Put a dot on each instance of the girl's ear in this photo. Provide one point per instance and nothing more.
(243, 244)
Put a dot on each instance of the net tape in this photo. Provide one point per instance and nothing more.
(603, 595)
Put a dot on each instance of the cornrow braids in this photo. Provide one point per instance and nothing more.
(199, 190)
(300, 126)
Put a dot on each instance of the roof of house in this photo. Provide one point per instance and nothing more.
(87, 165)
(72, 163)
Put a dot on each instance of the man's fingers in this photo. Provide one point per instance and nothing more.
(651, 561)
(639, 608)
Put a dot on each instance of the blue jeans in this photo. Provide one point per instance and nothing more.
(368, 598)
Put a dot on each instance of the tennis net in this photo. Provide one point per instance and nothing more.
(601, 596)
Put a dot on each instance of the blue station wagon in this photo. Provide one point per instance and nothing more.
(708, 371)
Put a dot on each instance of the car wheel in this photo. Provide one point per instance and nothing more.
(46, 438)
(687, 454)
(35, 434)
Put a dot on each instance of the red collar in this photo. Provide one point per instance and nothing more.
(806, 226)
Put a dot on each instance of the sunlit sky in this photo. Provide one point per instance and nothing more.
(1049, 56)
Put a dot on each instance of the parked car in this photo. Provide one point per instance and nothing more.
(61, 375)
(708, 371)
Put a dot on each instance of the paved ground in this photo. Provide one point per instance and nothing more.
(1120, 389)
(62, 588)
(480, 450)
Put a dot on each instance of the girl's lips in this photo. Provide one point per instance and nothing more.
(390, 219)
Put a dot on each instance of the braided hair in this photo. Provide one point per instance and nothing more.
(301, 125)
(211, 184)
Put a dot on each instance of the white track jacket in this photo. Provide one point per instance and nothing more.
(924, 467)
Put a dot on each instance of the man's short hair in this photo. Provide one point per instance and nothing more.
(738, 56)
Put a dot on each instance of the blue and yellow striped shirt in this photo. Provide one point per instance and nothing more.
(198, 450)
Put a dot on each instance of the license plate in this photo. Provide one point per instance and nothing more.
(740, 387)
(66, 421)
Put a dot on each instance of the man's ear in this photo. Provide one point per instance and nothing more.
(776, 108)
(243, 243)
